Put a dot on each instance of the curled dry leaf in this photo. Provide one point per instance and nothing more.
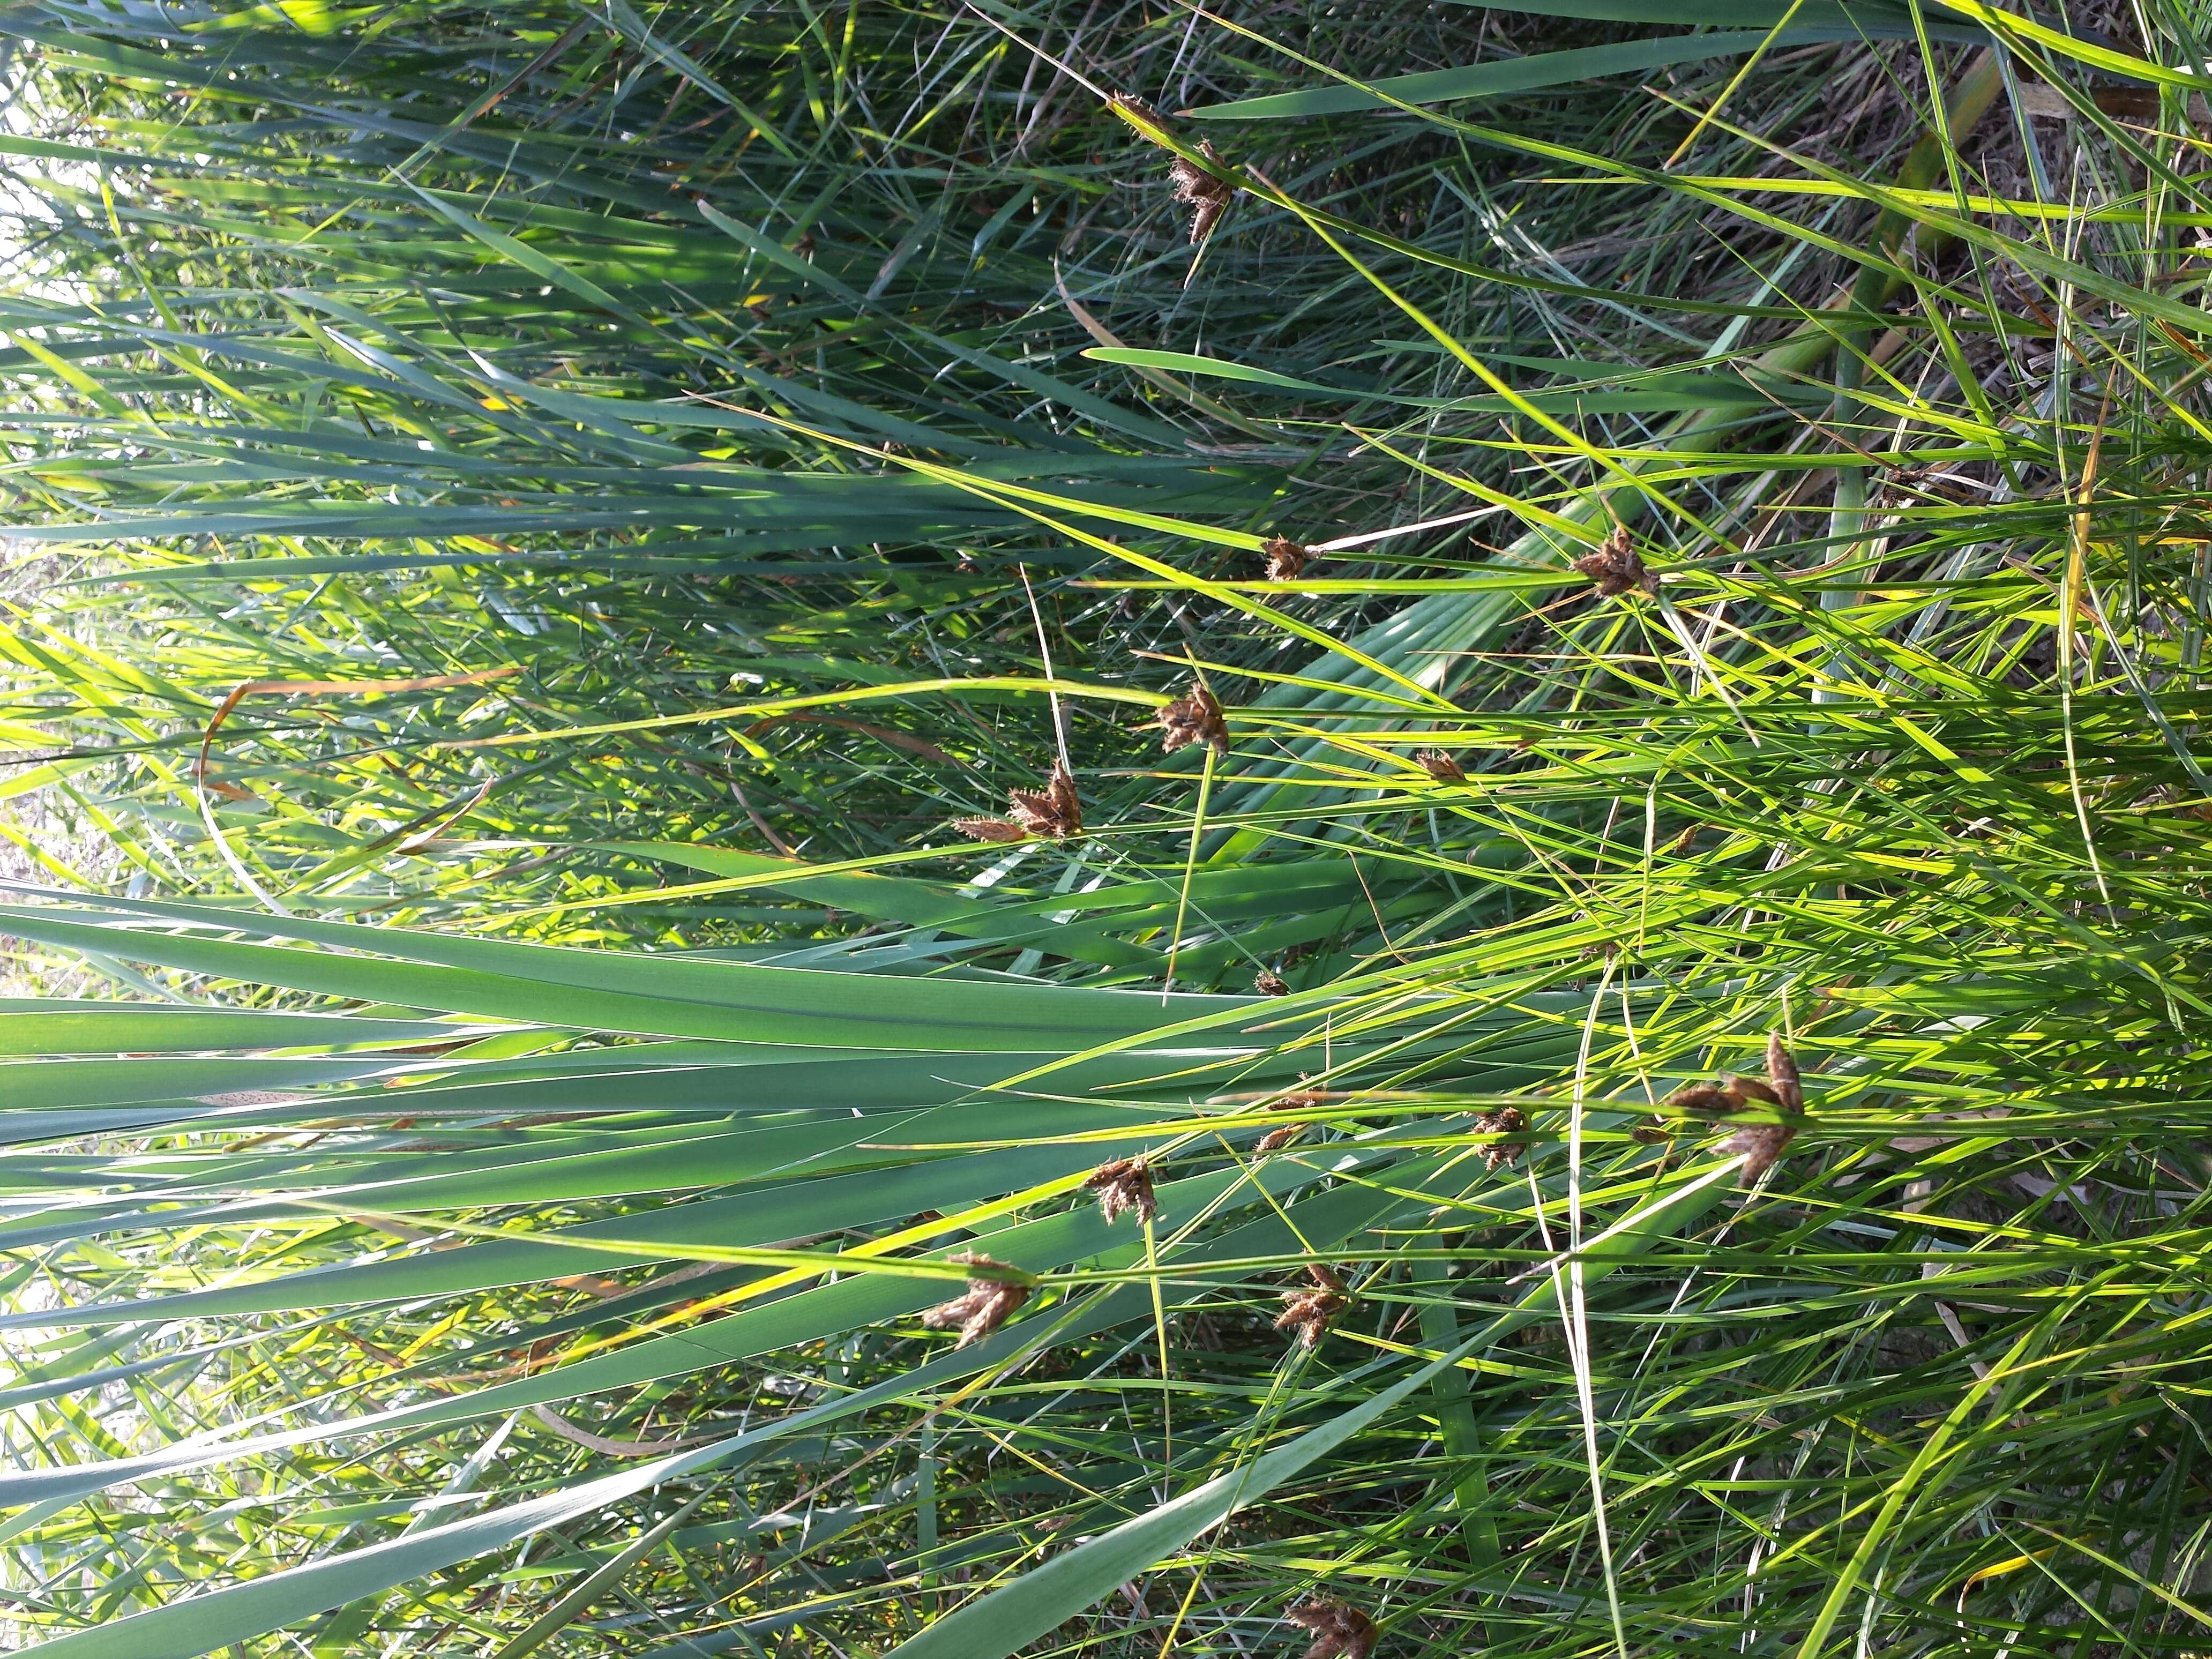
(1615, 566)
(1339, 1631)
(1269, 983)
(1286, 559)
(982, 1308)
(1195, 717)
(1307, 1313)
(1440, 766)
(1124, 1187)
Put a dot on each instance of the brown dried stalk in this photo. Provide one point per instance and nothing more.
(1339, 1631)
(1124, 1187)
(984, 1307)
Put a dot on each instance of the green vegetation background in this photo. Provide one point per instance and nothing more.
(560, 1105)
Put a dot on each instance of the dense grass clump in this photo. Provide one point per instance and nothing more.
(1110, 829)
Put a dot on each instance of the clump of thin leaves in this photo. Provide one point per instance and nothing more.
(1579, 1037)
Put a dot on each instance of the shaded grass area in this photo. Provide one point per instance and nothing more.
(1692, 570)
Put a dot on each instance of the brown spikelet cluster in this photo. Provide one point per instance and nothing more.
(1286, 559)
(1506, 1121)
(1307, 1313)
(1615, 566)
(1053, 810)
(1124, 1187)
(1195, 717)
(1206, 196)
(1138, 114)
(982, 1308)
(1440, 766)
(1761, 1144)
(1269, 983)
(1303, 1101)
(1340, 1631)
(999, 830)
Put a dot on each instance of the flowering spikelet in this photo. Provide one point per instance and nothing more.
(999, 830)
(1340, 1631)
(1309, 1312)
(1286, 559)
(1506, 1121)
(1269, 983)
(982, 1308)
(1440, 766)
(1053, 810)
(1125, 1186)
(1206, 196)
(1615, 566)
(1195, 717)
(1782, 1072)
(1760, 1145)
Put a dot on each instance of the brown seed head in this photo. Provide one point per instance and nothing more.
(1745, 1088)
(1195, 717)
(1704, 1097)
(1762, 1144)
(1440, 766)
(1206, 196)
(1307, 1313)
(1054, 811)
(1616, 567)
(1138, 114)
(1270, 984)
(1506, 1121)
(1275, 1139)
(990, 830)
(1286, 559)
(982, 1310)
(1124, 1187)
(1782, 1072)
(1340, 1631)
